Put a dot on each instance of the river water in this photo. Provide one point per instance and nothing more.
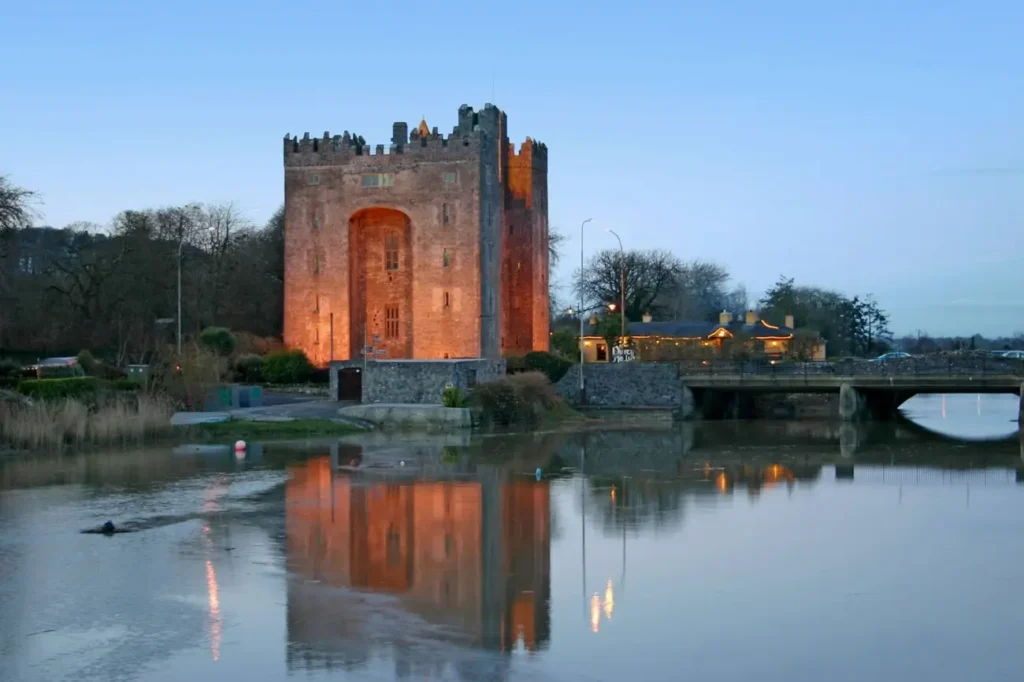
(729, 551)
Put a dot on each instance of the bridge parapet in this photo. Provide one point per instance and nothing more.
(927, 365)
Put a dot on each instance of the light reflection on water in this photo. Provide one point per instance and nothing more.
(773, 550)
(965, 416)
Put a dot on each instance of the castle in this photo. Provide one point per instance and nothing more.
(436, 249)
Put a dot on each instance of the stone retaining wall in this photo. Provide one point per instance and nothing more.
(648, 384)
(418, 381)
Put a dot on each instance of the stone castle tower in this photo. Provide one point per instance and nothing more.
(436, 249)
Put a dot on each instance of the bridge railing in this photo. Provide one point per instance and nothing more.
(937, 365)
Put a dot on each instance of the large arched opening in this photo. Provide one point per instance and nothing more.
(380, 284)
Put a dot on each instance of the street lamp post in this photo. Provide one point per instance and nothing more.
(622, 288)
(181, 244)
(582, 383)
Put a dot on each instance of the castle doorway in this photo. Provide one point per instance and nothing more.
(380, 286)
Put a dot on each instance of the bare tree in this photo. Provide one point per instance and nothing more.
(649, 275)
(699, 292)
(15, 206)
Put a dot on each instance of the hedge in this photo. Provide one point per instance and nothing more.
(56, 389)
(287, 367)
(552, 366)
(219, 340)
(60, 372)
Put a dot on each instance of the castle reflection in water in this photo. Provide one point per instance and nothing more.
(469, 560)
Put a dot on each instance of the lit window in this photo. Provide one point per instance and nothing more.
(449, 178)
(391, 251)
(446, 258)
(313, 180)
(391, 322)
(445, 215)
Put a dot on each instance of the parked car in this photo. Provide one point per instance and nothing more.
(55, 362)
(1012, 354)
(895, 355)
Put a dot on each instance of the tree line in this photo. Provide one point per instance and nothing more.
(114, 288)
(659, 283)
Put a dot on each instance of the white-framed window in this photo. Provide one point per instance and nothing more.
(391, 251)
(313, 179)
(378, 179)
(391, 322)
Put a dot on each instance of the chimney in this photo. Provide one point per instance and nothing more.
(647, 317)
(724, 317)
(751, 317)
(789, 322)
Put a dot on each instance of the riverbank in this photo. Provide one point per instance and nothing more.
(247, 429)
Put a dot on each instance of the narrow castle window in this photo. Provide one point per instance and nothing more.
(449, 178)
(391, 251)
(394, 546)
(511, 228)
(447, 300)
(391, 322)
(316, 304)
(445, 214)
(316, 263)
(446, 258)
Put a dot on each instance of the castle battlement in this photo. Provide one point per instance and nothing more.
(342, 149)
(464, 142)
(530, 152)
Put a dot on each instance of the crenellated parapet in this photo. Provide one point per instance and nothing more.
(465, 141)
(531, 154)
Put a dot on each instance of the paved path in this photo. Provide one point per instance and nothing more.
(308, 409)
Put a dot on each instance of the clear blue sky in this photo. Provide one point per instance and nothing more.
(870, 147)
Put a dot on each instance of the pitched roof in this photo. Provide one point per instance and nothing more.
(684, 329)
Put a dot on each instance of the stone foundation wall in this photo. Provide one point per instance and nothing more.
(627, 384)
(418, 381)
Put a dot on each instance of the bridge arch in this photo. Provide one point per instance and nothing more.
(380, 281)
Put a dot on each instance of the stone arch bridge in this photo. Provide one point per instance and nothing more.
(721, 388)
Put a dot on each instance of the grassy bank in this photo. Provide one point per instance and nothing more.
(240, 429)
